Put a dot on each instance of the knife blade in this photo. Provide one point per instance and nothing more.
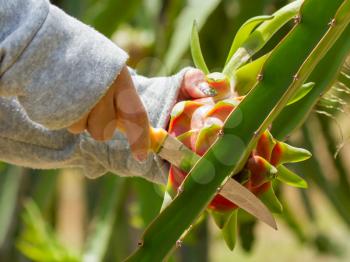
(246, 200)
(175, 152)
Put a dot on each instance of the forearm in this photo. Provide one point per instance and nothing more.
(58, 67)
(26, 143)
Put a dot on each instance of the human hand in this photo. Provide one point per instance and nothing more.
(122, 108)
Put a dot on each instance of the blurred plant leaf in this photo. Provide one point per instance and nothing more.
(296, 226)
(229, 231)
(9, 187)
(247, 234)
(107, 15)
(196, 51)
(343, 184)
(196, 243)
(344, 78)
(103, 221)
(149, 199)
(195, 10)
(74, 8)
(44, 190)
(325, 245)
(38, 242)
(313, 171)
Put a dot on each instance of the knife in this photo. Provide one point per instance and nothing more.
(175, 152)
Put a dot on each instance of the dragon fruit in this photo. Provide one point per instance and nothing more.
(197, 124)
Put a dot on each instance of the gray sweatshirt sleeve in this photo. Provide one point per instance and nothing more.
(56, 66)
(53, 70)
(26, 143)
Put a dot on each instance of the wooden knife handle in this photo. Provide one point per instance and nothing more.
(157, 136)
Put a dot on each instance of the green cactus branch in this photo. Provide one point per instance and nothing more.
(324, 75)
(318, 27)
(336, 27)
(259, 37)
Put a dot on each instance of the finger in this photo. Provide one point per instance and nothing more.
(194, 85)
(137, 133)
(200, 90)
(191, 78)
(102, 121)
(133, 117)
(79, 126)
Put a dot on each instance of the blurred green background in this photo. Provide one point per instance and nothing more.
(62, 216)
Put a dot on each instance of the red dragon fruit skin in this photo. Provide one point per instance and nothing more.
(197, 124)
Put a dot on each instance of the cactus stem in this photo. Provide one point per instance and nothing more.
(311, 48)
(297, 19)
(332, 23)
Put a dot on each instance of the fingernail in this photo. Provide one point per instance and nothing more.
(206, 89)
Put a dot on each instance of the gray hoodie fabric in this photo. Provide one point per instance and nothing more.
(53, 70)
